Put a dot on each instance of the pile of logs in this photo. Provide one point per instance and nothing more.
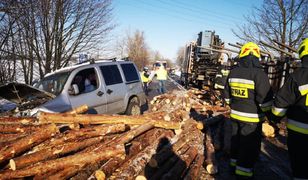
(173, 140)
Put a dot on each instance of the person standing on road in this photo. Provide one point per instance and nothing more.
(161, 76)
(249, 94)
(292, 100)
(145, 79)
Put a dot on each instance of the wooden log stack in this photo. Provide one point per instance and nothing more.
(168, 141)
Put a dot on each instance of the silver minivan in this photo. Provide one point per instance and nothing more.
(107, 87)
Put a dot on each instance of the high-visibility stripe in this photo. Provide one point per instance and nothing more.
(243, 118)
(303, 89)
(279, 111)
(266, 106)
(218, 75)
(297, 126)
(243, 171)
(247, 117)
(239, 80)
(217, 86)
(242, 85)
(253, 115)
(233, 162)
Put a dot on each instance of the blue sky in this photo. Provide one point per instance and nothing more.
(170, 24)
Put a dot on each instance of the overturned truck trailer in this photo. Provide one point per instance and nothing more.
(201, 61)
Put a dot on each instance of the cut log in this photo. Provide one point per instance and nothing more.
(51, 153)
(164, 168)
(18, 128)
(105, 119)
(61, 163)
(183, 163)
(17, 120)
(137, 145)
(27, 142)
(134, 166)
(61, 174)
(11, 137)
(81, 134)
(211, 164)
(194, 170)
(79, 110)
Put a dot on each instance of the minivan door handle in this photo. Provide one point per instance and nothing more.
(100, 93)
(109, 91)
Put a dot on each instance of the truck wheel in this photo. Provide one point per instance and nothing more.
(133, 107)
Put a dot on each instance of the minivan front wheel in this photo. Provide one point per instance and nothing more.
(133, 107)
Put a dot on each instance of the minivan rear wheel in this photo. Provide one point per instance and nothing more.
(133, 107)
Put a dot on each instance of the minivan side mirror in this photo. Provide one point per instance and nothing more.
(74, 90)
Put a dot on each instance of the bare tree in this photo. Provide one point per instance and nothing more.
(285, 21)
(137, 49)
(50, 32)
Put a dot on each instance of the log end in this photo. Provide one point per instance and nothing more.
(140, 177)
(100, 175)
(12, 164)
(199, 125)
(211, 169)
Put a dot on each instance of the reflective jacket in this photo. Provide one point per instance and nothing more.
(248, 91)
(162, 74)
(221, 78)
(292, 99)
(144, 77)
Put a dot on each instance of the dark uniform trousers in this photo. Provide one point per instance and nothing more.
(245, 143)
(298, 152)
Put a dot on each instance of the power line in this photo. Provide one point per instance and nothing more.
(199, 10)
(172, 14)
(175, 11)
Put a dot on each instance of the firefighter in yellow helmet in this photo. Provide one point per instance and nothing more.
(292, 101)
(249, 94)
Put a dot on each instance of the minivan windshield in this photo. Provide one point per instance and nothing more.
(53, 83)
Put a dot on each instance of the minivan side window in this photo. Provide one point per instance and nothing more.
(111, 74)
(86, 80)
(130, 73)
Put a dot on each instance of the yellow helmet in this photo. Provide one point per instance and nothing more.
(250, 48)
(303, 48)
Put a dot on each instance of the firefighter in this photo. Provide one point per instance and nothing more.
(292, 100)
(221, 77)
(145, 79)
(249, 94)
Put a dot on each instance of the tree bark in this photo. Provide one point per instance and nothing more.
(183, 163)
(61, 163)
(81, 134)
(51, 153)
(194, 171)
(211, 164)
(17, 120)
(27, 142)
(79, 110)
(134, 166)
(18, 128)
(105, 119)
(164, 168)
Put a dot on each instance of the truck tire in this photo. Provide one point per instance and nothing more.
(133, 107)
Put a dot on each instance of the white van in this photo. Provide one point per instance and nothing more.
(107, 87)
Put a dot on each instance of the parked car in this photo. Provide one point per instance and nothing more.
(107, 87)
